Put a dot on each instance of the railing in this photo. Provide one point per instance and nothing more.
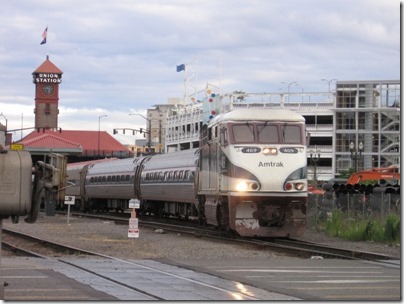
(328, 127)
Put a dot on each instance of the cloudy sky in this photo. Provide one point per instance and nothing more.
(120, 57)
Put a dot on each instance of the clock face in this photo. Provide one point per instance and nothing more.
(47, 89)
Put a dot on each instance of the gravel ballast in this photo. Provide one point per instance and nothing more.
(109, 238)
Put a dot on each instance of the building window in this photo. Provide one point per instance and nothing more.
(47, 109)
(345, 121)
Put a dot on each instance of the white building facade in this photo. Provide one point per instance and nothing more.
(365, 114)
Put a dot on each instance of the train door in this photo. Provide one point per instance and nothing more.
(138, 172)
(212, 204)
(208, 162)
(222, 161)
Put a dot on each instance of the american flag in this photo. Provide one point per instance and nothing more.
(44, 35)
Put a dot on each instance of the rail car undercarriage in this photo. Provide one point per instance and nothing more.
(258, 216)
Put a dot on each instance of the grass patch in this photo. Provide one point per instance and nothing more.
(387, 231)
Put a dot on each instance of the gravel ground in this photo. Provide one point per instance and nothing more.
(111, 239)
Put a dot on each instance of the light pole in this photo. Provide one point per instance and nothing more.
(329, 83)
(289, 85)
(314, 159)
(99, 127)
(356, 153)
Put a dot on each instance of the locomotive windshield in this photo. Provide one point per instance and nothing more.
(265, 133)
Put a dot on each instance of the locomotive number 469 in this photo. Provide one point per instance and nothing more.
(251, 150)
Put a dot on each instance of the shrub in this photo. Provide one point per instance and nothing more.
(392, 228)
(364, 229)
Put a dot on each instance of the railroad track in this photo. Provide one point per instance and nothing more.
(24, 244)
(28, 245)
(331, 251)
(288, 246)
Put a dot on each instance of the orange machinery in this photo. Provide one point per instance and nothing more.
(389, 174)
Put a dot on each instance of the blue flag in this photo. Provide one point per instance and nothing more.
(44, 35)
(180, 67)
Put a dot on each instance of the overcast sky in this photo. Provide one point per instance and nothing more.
(120, 57)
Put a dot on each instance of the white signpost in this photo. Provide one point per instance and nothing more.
(69, 200)
(133, 231)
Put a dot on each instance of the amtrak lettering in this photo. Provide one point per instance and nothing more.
(270, 164)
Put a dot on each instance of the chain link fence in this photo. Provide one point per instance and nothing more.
(376, 206)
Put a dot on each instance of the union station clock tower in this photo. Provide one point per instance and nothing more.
(47, 78)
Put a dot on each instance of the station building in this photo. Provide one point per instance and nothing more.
(47, 137)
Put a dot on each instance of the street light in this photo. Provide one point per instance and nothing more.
(356, 153)
(289, 85)
(314, 159)
(99, 126)
(329, 83)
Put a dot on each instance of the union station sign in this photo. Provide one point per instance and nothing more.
(47, 78)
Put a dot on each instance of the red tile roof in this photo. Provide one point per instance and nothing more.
(50, 140)
(48, 67)
(87, 140)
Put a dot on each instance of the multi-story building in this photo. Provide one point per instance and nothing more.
(366, 124)
(356, 125)
(157, 125)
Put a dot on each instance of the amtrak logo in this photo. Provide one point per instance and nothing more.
(270, 164)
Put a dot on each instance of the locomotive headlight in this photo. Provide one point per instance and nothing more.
(294, 186)
(269, 151)
(296, 180)
(299, 186)
(247, 186)
(241, 186)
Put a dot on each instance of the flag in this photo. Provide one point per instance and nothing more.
(180, 67)
(44, 35)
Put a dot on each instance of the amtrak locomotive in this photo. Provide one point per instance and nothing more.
(248, 175)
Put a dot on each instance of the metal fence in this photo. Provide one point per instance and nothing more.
(353, 206)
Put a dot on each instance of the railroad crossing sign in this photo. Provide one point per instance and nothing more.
(134, 203)
(69, 200)
(133, 231)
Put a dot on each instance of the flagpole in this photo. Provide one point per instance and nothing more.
(44, 41)
(47, 44)
(220, 76)
(185, 85)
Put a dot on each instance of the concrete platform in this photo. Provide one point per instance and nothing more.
(82, 279)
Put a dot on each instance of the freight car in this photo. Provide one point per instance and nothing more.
(248, 175)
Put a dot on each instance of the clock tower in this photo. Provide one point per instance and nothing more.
(47, 78)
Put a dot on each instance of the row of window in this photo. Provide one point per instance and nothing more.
(111, 179)
(177, 175)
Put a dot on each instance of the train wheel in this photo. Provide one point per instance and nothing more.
(158, 209)
(201, 210)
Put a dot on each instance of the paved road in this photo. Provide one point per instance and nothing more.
(312, 279)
